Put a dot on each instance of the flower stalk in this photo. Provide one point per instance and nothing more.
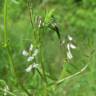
(5, 23)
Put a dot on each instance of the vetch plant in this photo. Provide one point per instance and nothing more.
(39, 84)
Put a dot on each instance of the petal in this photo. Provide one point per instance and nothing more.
(35, 52)
(68, 47)
(25, 53)
(72, 46)
(31, 47)
(69, 55)
(70, 38)
(30, 58)
(29, 68)
(35, 65)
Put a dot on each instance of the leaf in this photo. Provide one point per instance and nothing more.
(48, 15)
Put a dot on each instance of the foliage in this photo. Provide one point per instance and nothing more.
(30, 25)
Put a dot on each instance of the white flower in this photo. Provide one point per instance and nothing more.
(6, 89)
(31, 47)
(25, 53)
(69, 55)
(30, 58)
(35, 52)
(70, 38)
(35, 65)
(72, 46)
(40, 22)
(69, 47)
(30, 67)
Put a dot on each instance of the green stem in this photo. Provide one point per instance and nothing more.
(11, 66)
(30, 16)
(41, 55)
(13, 72)
(5, 23)
(72, 76)
(7, 46)
(30, 11)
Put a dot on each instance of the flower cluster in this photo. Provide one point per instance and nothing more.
(30, 54)
(69, 47)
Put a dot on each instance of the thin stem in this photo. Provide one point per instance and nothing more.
(13, 72)
(30, 11)
(7, 46)
(40, 74)
(5, 23)
(42, 56)
(73, 75)
(30, 15)
(11, 66)
(29, 4)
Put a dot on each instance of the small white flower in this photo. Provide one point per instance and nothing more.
(25, 53)
(35, 65)
(72, 46)
(31, 47)
(35, 52)
(70, 38)
(30, 67)
(68, 47)
(30, 58)
(6, 89)
(40, 22)
(69, 55)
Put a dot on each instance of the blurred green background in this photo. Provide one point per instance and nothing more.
(76, 18)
